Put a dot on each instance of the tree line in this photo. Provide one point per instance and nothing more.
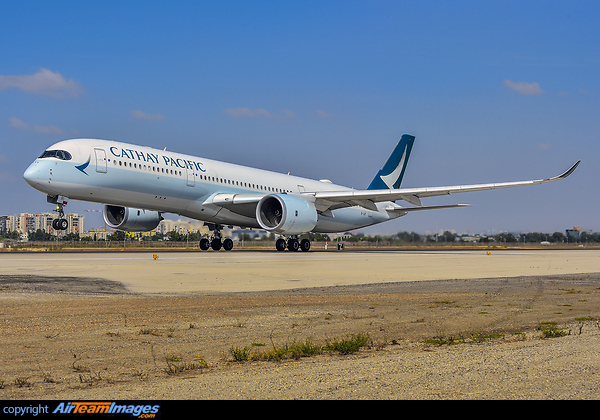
(398, 238)
(447, 236)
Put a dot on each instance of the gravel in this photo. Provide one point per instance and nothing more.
(102, 342)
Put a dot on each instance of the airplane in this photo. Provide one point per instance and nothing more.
(137, 184)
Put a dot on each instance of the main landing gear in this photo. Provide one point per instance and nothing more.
(216, 242)
(61, 223)
(292, 244)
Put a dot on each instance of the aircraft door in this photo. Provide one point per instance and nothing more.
(100, 160)
(190, 182)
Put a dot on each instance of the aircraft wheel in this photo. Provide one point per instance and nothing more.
(227, 244)
(304, 245)
(280, 244)
(55, 224)
(293, 245)
(62, 224)
(216, 244)
(204, 244)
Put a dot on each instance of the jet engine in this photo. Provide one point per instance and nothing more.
(286, 214)
(131, 220)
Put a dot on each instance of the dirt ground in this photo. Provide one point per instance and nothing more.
(80, 338)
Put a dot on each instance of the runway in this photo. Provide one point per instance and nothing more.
(185, 273)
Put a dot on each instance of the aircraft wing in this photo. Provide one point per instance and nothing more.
(330, 200)
(325, 201)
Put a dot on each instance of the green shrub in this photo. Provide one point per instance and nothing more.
(239, 355)
(350, 345)
(551, 330)
(298, 349)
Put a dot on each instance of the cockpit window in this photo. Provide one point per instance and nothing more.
(59, 154)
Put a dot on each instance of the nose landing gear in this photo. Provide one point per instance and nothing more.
(61, 223)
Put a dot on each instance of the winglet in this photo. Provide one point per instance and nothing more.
(566, 173)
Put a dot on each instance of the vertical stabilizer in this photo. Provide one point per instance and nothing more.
(390, 175)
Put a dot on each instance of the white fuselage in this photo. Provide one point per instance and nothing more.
(128, 175)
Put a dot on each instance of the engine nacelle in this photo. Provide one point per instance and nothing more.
(131, 220)
(286, 214)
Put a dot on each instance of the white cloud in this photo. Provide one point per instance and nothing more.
(323, 114)
(47, 129)
(259, 112)
(544, 146)
(247, 112)
(44, 82)
(141, 115)
(18, 124)
(524, 88)
(38, 128)
(289, 114)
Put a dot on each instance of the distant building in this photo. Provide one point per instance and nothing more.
(181, 226)
(7, 223)
(25, 223)
(31, 222)
(573, 233)
(97, 234)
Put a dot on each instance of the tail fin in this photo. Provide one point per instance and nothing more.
(390, 175)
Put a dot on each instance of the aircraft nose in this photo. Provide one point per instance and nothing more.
(32, 174)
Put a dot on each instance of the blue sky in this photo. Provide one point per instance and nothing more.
(493, 91)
